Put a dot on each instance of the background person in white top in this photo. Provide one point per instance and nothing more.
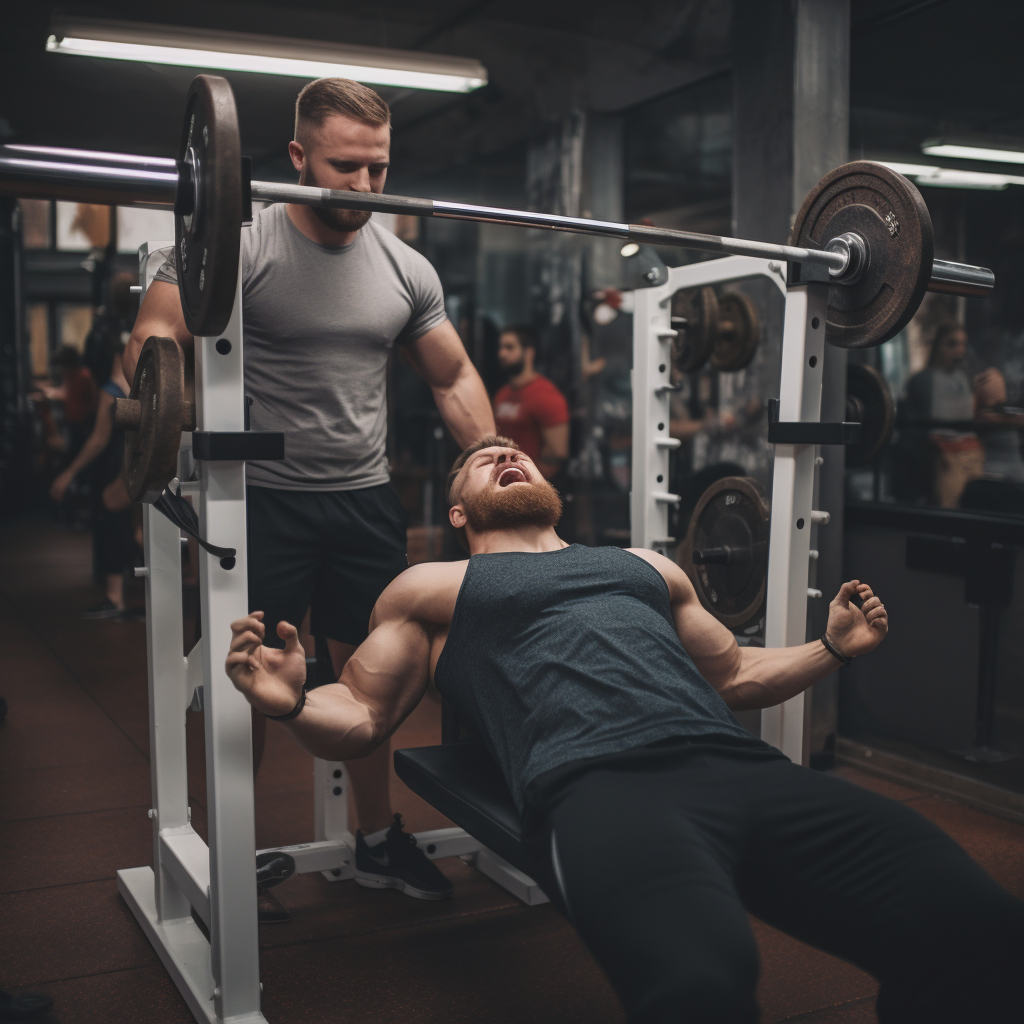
(326, 296)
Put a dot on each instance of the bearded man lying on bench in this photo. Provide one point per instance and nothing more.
(605, 693)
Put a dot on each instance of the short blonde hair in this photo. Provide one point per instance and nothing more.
(327, 96)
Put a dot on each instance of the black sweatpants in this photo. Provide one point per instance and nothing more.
(659, 859)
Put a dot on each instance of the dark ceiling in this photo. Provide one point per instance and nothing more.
(918, 68)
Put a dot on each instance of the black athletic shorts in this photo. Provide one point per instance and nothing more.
(332, 551)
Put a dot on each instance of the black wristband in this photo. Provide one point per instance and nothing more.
(843, 659)
(294, 713)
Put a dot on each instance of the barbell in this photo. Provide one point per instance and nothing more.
(863, 229)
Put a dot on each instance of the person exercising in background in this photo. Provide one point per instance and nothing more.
(113, 543)
(530, 408)
(605, 692)
(327, 296)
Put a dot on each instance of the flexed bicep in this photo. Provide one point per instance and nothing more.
(388, 672)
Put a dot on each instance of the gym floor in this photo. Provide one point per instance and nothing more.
(73, 801)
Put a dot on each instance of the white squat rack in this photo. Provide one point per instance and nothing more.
(793, 477)
(219, 978)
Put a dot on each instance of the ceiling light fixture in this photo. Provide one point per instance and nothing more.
(944, 177)
(237, 51)
(937, 147)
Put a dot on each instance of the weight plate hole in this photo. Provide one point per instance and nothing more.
(661, 426)
(337, 773)
(337, 790)
(815, 322)
(799, 524)
(660, 478)
(661, 369)
(223, 346)
(813, 361)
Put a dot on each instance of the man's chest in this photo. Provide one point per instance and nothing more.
(312, 303)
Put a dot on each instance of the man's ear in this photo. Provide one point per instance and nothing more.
(298, 155)
(457, 516)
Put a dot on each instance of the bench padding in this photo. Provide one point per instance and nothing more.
(463, 782)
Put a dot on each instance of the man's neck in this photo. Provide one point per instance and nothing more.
(524, 538)
(315, 229)
(522, 379)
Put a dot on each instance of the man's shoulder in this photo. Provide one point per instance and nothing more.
(541, 385)
(426, 592)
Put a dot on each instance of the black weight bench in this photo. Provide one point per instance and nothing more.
(462, 781)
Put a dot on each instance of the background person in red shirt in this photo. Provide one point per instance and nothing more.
(530, 408)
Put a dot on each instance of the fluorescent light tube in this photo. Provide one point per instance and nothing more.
(944, 177)
(1001, 156)
(235, 51)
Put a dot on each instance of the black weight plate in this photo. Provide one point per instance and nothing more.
(887, 211)
(872, 404)
(735, 347)
(208, 230)
(151, 452)
(692, 343)
(732, 513)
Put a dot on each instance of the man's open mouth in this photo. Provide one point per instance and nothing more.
(511, 475)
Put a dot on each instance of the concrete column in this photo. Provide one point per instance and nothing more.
(791, 61)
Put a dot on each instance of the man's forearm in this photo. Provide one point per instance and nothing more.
(768, 676)
(465, 407)
(333, 725)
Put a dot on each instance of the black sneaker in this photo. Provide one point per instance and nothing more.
(106, 609)
(398, 863)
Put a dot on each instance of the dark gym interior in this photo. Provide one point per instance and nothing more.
(710, 116)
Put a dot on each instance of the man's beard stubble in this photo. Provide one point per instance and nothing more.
(530, 504)
(336, 220)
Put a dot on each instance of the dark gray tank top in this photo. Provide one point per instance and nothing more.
(569, 654)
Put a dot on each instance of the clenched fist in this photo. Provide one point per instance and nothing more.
(270, 679)
(854, 630)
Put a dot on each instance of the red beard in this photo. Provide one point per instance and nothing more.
(503, 508)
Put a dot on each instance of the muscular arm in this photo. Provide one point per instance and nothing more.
(159, 316)
(554, 449)
(381, 683)
(757, 677)
(440, 358)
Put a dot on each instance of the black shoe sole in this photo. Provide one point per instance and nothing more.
(371, 881)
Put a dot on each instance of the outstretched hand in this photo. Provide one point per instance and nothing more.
(854, 630)
(270, 679)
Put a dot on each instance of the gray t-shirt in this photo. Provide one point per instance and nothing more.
(319, 323)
